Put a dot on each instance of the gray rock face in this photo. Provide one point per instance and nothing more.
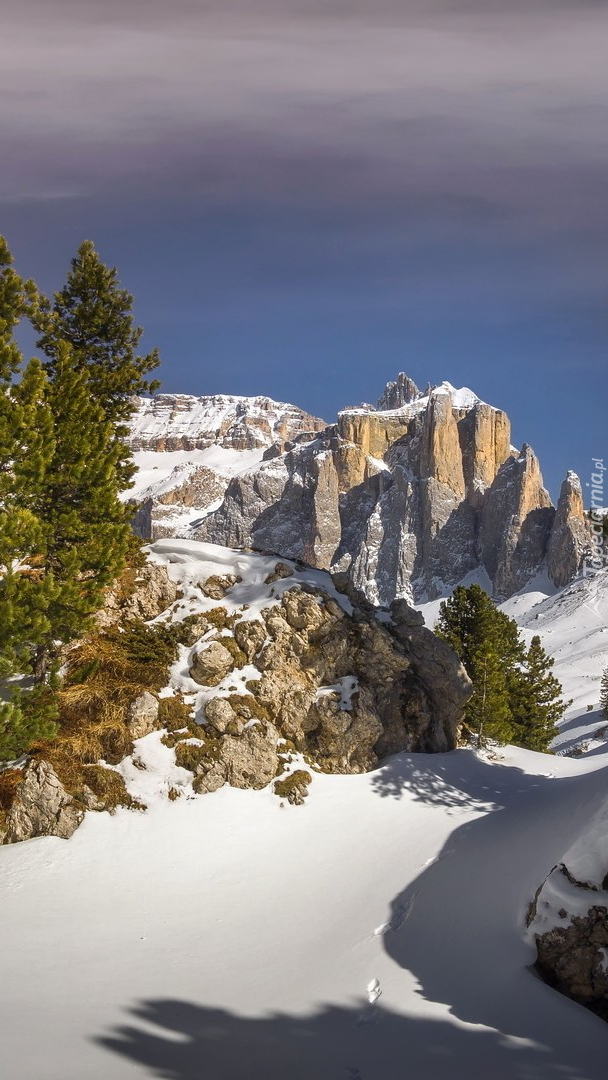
(572, 959)
(345, 689)
(404, 500)
(249, 760)
(397, 394)
(41, 806)
(516, 522)
(569, 539)
(210, 663)
(142, 716)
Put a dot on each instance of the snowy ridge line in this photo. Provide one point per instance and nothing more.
(462, 398)
(186, 415)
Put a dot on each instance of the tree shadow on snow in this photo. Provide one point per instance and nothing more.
(460, 926)
(458, 778)
(193, 1042)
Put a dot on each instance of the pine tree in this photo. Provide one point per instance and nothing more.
(536, 700)
(517, 697)
(94, 316)
(86, 525)
(25, 448)
(64, 532)
(604, 693)
(488, 644)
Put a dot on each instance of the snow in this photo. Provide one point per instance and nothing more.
(375, 932)
(189, 417)
(345, 688)
(572, 624)
(462, 398)
(190, 561)
(159, 471)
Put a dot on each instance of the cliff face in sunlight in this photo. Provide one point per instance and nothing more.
(404, 499)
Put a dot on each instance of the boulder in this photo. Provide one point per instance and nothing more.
(41, 807)
(147, 592)
(211, 663)
(142, 715)
(249, 760)
(572, 958)
(250, 635)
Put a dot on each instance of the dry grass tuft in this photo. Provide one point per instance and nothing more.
(10, 779)
(109, 787)
(174, 714)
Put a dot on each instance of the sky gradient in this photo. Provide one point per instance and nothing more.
(307, 196)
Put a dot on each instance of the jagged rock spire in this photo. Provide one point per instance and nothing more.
(397, 394)
(570, 534)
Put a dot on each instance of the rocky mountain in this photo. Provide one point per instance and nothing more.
(403, 499)
(275, 668)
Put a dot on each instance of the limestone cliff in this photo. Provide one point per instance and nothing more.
(570, 536)
(405, 499)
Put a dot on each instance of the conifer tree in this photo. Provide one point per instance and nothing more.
(93, 314)
(86, 525)
(25, 448)
(488, 644)
(517, 697)
(537, 701)
(604, 693)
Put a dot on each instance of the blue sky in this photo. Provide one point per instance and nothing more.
(307, 197)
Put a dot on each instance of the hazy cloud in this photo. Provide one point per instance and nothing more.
(96, 93)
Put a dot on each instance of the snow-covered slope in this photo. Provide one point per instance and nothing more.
(377, 933)
(572, 624)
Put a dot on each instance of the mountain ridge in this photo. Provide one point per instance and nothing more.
(403, 499)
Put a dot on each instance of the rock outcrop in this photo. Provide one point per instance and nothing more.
(568, 919)
(326, 675)
(41, 806)
(572, 958)
(273, 665)
(141, 593)
(570, 537)
(516, 524)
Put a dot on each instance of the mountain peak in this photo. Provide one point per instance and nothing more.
(398, 393)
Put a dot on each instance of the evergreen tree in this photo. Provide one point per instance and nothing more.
(488, 644)
(604, 693)
(25, 448)
(64, 533)
(87, 528)
(94, 316)
(516, 698)
(537, 701)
